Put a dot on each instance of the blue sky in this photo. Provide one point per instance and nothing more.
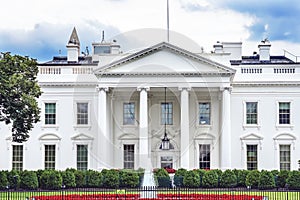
(41, 29)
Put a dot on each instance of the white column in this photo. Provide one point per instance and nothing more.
(225, 150)
(144, 155)
(104, 151)
(185, 129)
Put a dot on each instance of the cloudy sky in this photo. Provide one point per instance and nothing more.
(41, 29)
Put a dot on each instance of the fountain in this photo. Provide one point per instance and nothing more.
(148, 185)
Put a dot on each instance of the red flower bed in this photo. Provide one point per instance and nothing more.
(159, 197)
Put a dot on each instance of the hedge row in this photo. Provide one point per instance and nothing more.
(229, 178)
(70, 178)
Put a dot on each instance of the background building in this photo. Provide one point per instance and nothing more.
(113, 110)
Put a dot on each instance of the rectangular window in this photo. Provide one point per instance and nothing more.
(251, 112)
(128, 156)
(251, 157)
(17, 157)
(204, 113)
(285, 157)
(49, 156)
(82, 113)
(50, 113)
(284, 113)
(204, 156)
(82, 157)
(129, 113)
(167, 113)
(166, 162)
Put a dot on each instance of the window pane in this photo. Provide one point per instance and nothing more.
(285, 157)
(251, 157)
(128, 156)
(167, 113)
(284, 113)
(166, 162)
(50, 113)
(17, 157)
(251, 112)
(49, 156)
(204, 156)
(82, 113)
(129, 113)
(204, 113)
(82, 157)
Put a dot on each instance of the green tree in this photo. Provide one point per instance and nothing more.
(18, 93)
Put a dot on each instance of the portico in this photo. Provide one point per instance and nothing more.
(195, 86)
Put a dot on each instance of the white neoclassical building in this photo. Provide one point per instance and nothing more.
(163, 106)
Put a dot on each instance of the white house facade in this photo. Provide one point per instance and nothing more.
(163, 106)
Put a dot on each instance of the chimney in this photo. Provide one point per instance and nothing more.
(264, 50)
(73, 47)
(218, 47)
(234, 48)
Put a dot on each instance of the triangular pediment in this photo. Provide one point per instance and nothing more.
(164, 58)
(128, 136)
(82, 136)
(251, 136)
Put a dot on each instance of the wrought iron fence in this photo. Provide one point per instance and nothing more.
(152, 193)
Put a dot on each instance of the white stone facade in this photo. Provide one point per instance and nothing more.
(107, 110)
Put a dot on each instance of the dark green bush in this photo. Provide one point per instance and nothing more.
(191, 179)
(80, 178)
(275, 172)
(3, 180)
(210, 179)
(228, 179)
(266, 180)
(51, 179)
(110, 178)
(162, 177)
(281, 178)
(93, 178)
(38, 174)
(13, 178)
(252, 179)
(68, 179)
(293, 181)
(29, 180)
(241, 178)
(129, 179)
(178, 177)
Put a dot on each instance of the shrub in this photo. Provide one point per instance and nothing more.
(241, 177)
(281, 178)
(266, 180)
(210, 179)
(162, 177)
(80, 179)
(228, 179)
(13, 178)
(252, 179)
(93, 178)
(191, 179)
(3, 180)
(29, 180)
(293, 181)
(51, 179)
(68, 179)
(178, 177)
(129, 179)
(38, 174)
(110, 178)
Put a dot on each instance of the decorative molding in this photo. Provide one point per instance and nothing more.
(49, 136)
(184, 88)
(102, 88)
(82, 136)
(146, 88)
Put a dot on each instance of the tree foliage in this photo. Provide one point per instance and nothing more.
(18, 93)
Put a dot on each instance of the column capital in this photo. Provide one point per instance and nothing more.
(102, 88)
(226, 88)
(184, 88)
(140, 88)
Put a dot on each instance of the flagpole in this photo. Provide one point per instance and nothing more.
(168, 28)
